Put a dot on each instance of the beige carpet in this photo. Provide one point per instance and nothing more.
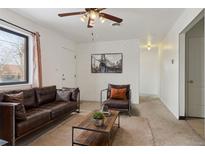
(151, 124)
(126, 135)
(166, 129)
(197, 124)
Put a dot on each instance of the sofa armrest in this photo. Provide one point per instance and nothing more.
(7, 122)
(101, 95)
(78, 101)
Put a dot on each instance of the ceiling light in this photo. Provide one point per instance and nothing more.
(83, 18)
(93, 15)
(149, 47)
(102, 20)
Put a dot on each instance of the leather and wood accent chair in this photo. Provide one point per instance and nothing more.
(117, 104)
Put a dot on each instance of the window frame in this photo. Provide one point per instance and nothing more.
(26, 56)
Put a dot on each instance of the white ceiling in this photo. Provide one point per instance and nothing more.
(143, 24)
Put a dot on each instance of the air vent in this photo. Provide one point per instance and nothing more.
(116, 24)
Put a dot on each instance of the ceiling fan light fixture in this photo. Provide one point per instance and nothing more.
(82, 18)
(92, 22)
(93, 14)
(102, 20)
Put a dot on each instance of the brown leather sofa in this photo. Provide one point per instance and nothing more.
(41, 108)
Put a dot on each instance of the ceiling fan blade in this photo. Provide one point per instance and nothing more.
(94, 9)
(88, 9)
(111, 17)
(71, 14)
(100, 9)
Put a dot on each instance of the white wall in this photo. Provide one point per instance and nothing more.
(52, 44)
(169, 73)
(91, 84)
(149, 72)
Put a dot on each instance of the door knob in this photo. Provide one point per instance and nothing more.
(190, 81)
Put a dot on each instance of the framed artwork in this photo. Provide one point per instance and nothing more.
(106, 63)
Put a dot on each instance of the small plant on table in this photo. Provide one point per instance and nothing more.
(98, 118)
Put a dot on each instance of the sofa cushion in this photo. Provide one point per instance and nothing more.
(74, 93)
(117, 104)
(46, 94)
(29, 98)
(63, 95)
(20, 111)
(59, 108)
(12, 91)
(35, 117)
(118, 87)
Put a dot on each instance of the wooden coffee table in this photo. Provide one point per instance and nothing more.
(90, 135)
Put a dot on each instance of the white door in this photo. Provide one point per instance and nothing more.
(195, 77)
(68, 68)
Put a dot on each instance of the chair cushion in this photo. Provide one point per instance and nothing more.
(20, 112)
(29, 98)
(117, 104)
(35, 117)
(59, 108)
(46, 94)
(63, 95)
(117, 93)
(118, 87)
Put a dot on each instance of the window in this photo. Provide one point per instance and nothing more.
(13, 57)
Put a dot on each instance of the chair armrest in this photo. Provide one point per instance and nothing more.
(130, 98)
(7, 121)
(8, 104)
(101, 94)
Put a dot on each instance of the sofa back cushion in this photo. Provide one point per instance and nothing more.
(74, 93)
(29, 98)
(63, 95)
(110, 86)
(46, 94)
(20, 111)
(1, 96)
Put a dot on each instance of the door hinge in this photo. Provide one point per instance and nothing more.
(75, 57)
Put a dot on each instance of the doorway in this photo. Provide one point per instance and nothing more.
(194, 77)
(68, 68)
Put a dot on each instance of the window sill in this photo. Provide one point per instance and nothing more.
(16, 86)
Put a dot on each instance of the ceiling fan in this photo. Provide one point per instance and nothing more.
(91, 14)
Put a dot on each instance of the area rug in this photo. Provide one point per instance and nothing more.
(133, 131)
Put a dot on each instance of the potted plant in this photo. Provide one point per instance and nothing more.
(98, 118)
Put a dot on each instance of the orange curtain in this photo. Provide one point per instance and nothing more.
(37, 65)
